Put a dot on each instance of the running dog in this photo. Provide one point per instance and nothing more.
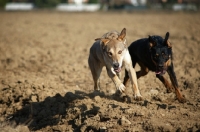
(111, 51)
(155, 54)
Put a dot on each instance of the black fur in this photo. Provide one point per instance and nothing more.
(154, 54)
(141, 51)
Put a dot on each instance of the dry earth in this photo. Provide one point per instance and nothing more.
(46, 85)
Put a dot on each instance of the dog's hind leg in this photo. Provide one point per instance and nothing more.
(96, 69)
(126, 78)
(143, 71)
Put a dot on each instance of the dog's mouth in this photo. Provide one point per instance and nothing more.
(117, 69)
(160, 72)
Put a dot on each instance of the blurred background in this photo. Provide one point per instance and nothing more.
(105, 5)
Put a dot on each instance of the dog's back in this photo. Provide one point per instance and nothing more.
(139, 51)
(111, 35)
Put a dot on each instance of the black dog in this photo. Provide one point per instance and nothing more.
(155, 54)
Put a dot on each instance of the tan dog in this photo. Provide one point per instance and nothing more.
(111, 51)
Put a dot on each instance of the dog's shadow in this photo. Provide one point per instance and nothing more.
(52, 110)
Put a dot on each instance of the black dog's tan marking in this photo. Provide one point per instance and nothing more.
(155, 54)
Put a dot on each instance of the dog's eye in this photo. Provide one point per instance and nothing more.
(164, 55)
(156, 56)
(120, 52)
(109, 53)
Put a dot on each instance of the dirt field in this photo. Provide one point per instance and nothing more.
(46, 85)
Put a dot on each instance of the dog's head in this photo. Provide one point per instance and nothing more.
(161, 52)
(114, 50)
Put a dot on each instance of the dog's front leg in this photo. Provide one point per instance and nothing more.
(165, 82)
(132, 75)
(173, 79)
(119, 85)
(119, 75)
(133, 78)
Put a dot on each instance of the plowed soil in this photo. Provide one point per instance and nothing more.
(46, 84)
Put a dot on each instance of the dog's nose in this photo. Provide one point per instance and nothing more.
(160, 66)
(116, 65)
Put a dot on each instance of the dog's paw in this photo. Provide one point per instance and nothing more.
(138, 98)
(170, 90)
(121, 87)
(182, 99)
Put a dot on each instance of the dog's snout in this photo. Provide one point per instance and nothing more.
(160, 66)
(116, 65)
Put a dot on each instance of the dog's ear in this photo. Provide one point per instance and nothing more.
(166, 42)
(97, 39)
(152, 43)
(104, 40)
(122, 34)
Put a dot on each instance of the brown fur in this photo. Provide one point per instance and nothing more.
(111, 51)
